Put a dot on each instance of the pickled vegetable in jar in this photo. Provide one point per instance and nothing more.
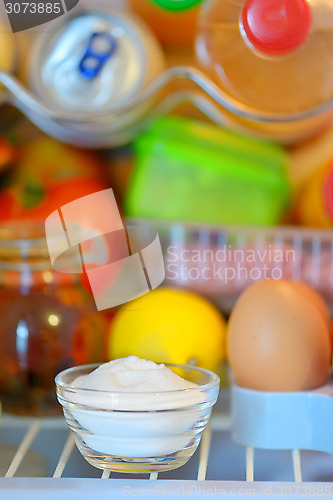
(48, 322)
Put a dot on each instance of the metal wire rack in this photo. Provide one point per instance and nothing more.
(219, 468)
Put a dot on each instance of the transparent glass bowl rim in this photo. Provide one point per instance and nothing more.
(214, 383)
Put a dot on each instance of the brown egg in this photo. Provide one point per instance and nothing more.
(315, 298)
(331, 333)
(278, 339)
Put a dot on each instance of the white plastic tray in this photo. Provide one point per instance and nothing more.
(219, 262)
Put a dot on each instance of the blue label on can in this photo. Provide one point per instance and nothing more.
(100, 49)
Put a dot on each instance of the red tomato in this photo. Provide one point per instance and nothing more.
(33, 203)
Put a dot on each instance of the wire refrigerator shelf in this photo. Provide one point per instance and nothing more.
(39, 460)
(38, 456)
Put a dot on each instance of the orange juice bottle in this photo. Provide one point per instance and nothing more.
(272, 55)
(173, 21)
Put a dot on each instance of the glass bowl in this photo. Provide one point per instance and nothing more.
(142, 431)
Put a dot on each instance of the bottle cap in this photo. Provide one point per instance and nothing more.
(276, 27)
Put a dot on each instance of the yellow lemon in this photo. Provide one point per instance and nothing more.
(169, 325)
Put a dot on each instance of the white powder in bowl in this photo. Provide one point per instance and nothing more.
(132, 407)
(132, 374)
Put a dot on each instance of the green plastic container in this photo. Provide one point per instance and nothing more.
(195, 172)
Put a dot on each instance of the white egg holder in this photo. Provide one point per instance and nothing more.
(283, 420)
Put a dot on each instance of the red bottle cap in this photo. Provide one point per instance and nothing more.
(276, 27)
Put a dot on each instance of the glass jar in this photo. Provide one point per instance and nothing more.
(48, 322)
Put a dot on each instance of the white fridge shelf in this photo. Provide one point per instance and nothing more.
(44, 448)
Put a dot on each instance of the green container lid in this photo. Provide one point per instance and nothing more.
(176, 5)
(195, 172)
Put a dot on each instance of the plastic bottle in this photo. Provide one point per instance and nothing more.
(273, 55)
(174, 22)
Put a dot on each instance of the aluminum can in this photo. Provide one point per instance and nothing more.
(87, 70)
